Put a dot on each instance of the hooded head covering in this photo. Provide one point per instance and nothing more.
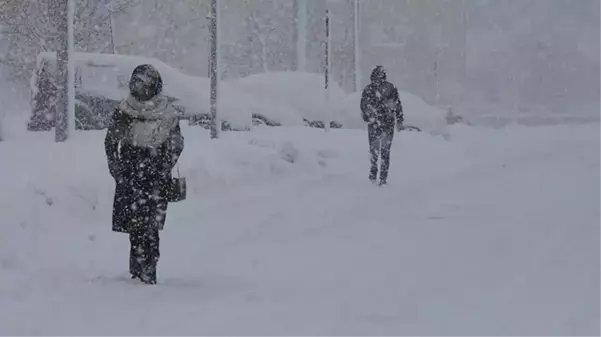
(145, 83)
(378, 74)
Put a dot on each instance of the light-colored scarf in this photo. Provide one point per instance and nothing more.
(153, 121)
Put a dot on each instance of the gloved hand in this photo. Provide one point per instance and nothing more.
(399, 123)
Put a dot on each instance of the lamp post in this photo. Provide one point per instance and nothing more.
(65, 108)
(301, 34)
(356, 44)
(328, 61)
(214, 67)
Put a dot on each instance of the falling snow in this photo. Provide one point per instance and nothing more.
(489, 223)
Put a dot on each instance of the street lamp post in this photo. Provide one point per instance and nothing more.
(301, 34)
(328, 61)
(356, 44)
(214, 68)
(65, 108)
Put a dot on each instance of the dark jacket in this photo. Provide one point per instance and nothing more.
(142, 166)
(381, 105)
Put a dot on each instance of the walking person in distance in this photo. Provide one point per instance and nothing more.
(382, 110)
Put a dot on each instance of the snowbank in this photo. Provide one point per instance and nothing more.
(301, 95)
(40, 177)
(288, 98)
(43, 181)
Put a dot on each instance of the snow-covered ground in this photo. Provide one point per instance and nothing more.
(490, 232)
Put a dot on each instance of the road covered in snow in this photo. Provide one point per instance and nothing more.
(489, 232)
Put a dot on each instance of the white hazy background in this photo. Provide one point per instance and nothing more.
(501, 58)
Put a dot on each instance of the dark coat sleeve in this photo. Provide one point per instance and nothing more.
(400, 118)
(114, 135)
(176, 144)
(366, 108)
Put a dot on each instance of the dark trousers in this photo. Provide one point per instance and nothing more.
(144, 254)
(380, 142)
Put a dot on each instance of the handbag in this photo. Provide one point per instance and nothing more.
(177, 190)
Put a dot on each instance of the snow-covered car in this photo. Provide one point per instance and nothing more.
(101, 81)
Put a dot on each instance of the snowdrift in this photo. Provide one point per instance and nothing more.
(40, 177)
(301, 96)
(43, 182)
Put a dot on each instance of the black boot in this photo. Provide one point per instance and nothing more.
(149, 276)
(151, 257)
(387, 137)
(372, 179)
(136, 256)
(374, 152)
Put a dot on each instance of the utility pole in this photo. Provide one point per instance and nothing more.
(437, 76)
(328, 61)
(301, 34)
(61, 119)
(356, 44)
(464, 48)
(214, 68)
(71, 67)
(112, 21)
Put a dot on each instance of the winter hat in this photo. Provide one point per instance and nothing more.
(145, 82)
(378, 74)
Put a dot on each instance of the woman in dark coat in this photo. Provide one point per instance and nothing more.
(143, 144)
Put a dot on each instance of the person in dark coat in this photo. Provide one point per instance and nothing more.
(381, 109)
(143, 144)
